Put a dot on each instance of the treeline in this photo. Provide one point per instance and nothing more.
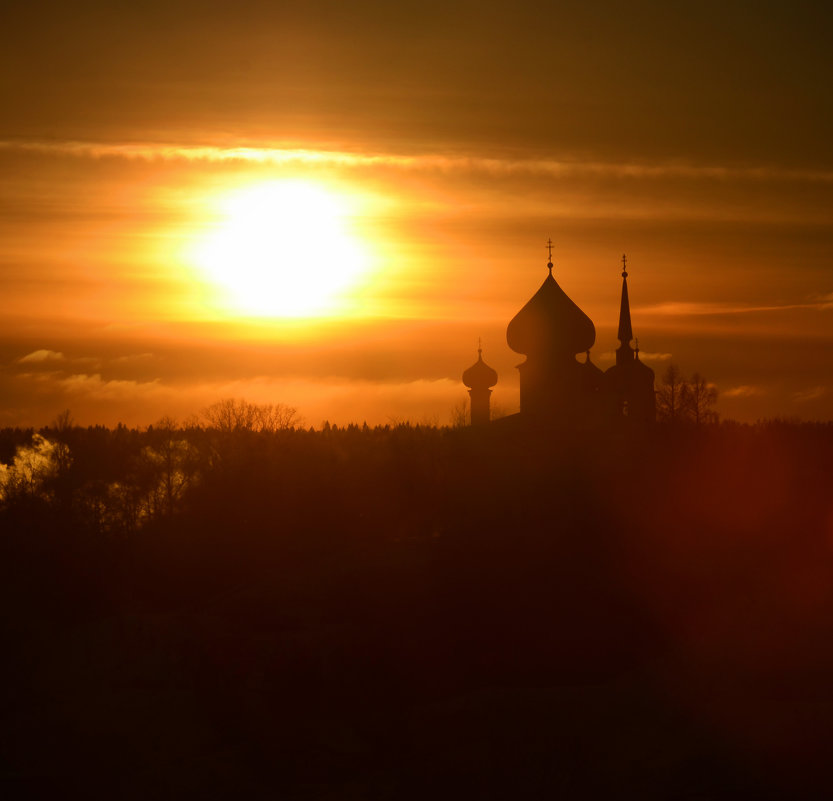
(115, 481)
(240, 606)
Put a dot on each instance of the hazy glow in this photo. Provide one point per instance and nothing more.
(283, 249)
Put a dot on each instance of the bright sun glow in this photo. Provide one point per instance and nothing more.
(284, 249)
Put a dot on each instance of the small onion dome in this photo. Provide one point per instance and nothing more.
(480, 375)
(550, 323)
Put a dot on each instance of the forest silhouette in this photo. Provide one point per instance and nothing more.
(245, 607)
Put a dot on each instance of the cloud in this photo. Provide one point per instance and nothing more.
(35, 398)
(825, 301)
(132, 358)
(278, 156)
(742, 391)
(41, 356)
(52, 360)
(693, 309)
(809, 394)
(97, 388)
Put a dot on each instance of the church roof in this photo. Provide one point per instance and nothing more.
(550, 322)
(631, 370)
(640, 366)
(480, 375)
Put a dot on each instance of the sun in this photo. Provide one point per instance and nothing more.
(283, 249)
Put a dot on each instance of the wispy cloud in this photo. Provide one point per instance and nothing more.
(35, 397)
(42, 355)
(809, 394)
(825, 301)
(151, 151)
(132, 358)
(742, 391)
(693, 309)
(98, 388)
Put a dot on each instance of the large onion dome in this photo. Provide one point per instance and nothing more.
(480, 375)
(550, 323)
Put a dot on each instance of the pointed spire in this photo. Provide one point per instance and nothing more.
(625, 334)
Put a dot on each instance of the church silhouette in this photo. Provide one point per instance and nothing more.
(556, 388)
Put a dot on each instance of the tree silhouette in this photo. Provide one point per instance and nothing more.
(699, 399)
(33, 470)
(671, 395)
(460, 414)
(170, 466)
(233, 414)
(686, 401)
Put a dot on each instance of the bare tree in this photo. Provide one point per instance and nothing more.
(671, 396)
(168, 467)
(33, 471)
(460, 414)
(62, 427)
(63, 422)
(700, 397)
(278, 417)
(232, 414)
(681, 401)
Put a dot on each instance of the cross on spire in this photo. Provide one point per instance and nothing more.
(549, 251)
(624, 266)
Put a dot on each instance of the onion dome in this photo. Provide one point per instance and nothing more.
(550, 323)
(480, 375)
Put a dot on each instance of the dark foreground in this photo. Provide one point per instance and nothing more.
(419, 614)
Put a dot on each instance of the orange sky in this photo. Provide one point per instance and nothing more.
(456, 139)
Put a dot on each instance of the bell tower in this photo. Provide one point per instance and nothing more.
(479, 378)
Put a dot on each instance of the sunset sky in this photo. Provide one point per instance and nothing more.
(327, 204)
